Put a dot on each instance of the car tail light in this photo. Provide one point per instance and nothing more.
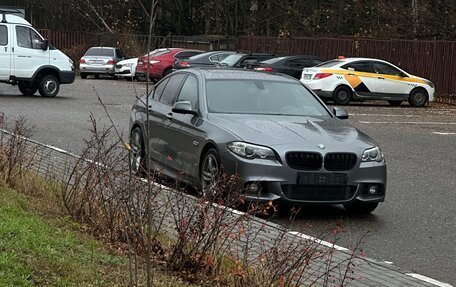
(82, 61)
(267, 69)
(111, 62)
(319, 76)
(185, 64)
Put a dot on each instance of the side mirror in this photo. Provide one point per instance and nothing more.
(45, 45)
(340, 113)
(183, 107)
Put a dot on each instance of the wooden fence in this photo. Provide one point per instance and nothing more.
(434, 60)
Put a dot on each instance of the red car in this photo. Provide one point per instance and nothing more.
(160, 62)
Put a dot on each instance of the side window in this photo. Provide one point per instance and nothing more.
(159, 89)
(27, 38)
(3, 35)
(171, 89)
(248, 61)
(189, 91)
(385, 69)
(362, 66)
(299, 63)
(214, 58)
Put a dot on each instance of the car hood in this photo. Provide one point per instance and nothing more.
(293, 131)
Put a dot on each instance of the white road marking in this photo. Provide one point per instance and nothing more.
(409, 123)
(302, 235)
(443, 134)
(319, 241)
(429, 280)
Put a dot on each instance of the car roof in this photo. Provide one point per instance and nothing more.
(223, 73)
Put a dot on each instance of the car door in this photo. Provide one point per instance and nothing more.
(361, 77)
(160, 118)
(391, 82)
(27, 53)
(184, 134)
(5, 53)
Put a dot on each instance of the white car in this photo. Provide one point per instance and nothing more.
(127, 68)
(345, 79)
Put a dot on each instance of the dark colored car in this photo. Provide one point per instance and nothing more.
(244, 60)
(160, 62)
(290, 65)
(207, 59)
(270, 130)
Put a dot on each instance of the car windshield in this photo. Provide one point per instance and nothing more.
(262, 97)
(231, 60)
(330, 63)
(107, 52)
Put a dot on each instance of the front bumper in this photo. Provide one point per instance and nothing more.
(67, 77)
(279, 182)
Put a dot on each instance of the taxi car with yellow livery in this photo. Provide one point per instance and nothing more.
(348, 79)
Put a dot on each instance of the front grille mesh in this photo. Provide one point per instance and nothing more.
(318, 192)
(340, 161)
(304, 160)
(314, 161)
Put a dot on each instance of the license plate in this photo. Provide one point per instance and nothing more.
(308, 178)
(307, 76)
(97, 62)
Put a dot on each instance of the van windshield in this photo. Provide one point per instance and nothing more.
(108, 52)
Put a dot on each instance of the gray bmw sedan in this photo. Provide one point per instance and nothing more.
(271, 131)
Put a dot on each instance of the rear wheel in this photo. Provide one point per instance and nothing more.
(418, 98)
(210, 173)
(83, 76)
(49, 86)
(342, 95)
(27, 89)
(359, 207)
(395, 103)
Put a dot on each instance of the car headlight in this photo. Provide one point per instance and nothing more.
(430, 84)
(373, 154)
(251, 151)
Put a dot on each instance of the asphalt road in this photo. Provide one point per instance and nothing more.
(415, 228)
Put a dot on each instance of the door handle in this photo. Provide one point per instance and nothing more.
(351, 74)
(381, 78)
(169, 116)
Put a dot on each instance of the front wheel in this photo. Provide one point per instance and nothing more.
(210, 173)
(49, 86)
(342, 95)
(137, 157)
(418, 98)
(27, 89)
(359, 207)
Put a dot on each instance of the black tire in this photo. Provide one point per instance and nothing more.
(210, 171)
(342, 95)
(97, 76)
(49, 86)
(138, 152)
(359, 207)
(395, 103)
(418, 98)
(83, 76)
(27, 89)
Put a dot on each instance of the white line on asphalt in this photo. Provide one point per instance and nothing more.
(428, 280)
(295, 233)
(444, 134)
(319, 241)
(409, 123)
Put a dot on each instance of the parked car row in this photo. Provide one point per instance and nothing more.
(340, 80)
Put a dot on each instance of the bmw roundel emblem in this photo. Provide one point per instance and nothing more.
(322, 146)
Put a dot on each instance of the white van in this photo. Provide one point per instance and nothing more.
(27, 59)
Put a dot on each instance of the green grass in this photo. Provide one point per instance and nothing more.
(35, 251)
